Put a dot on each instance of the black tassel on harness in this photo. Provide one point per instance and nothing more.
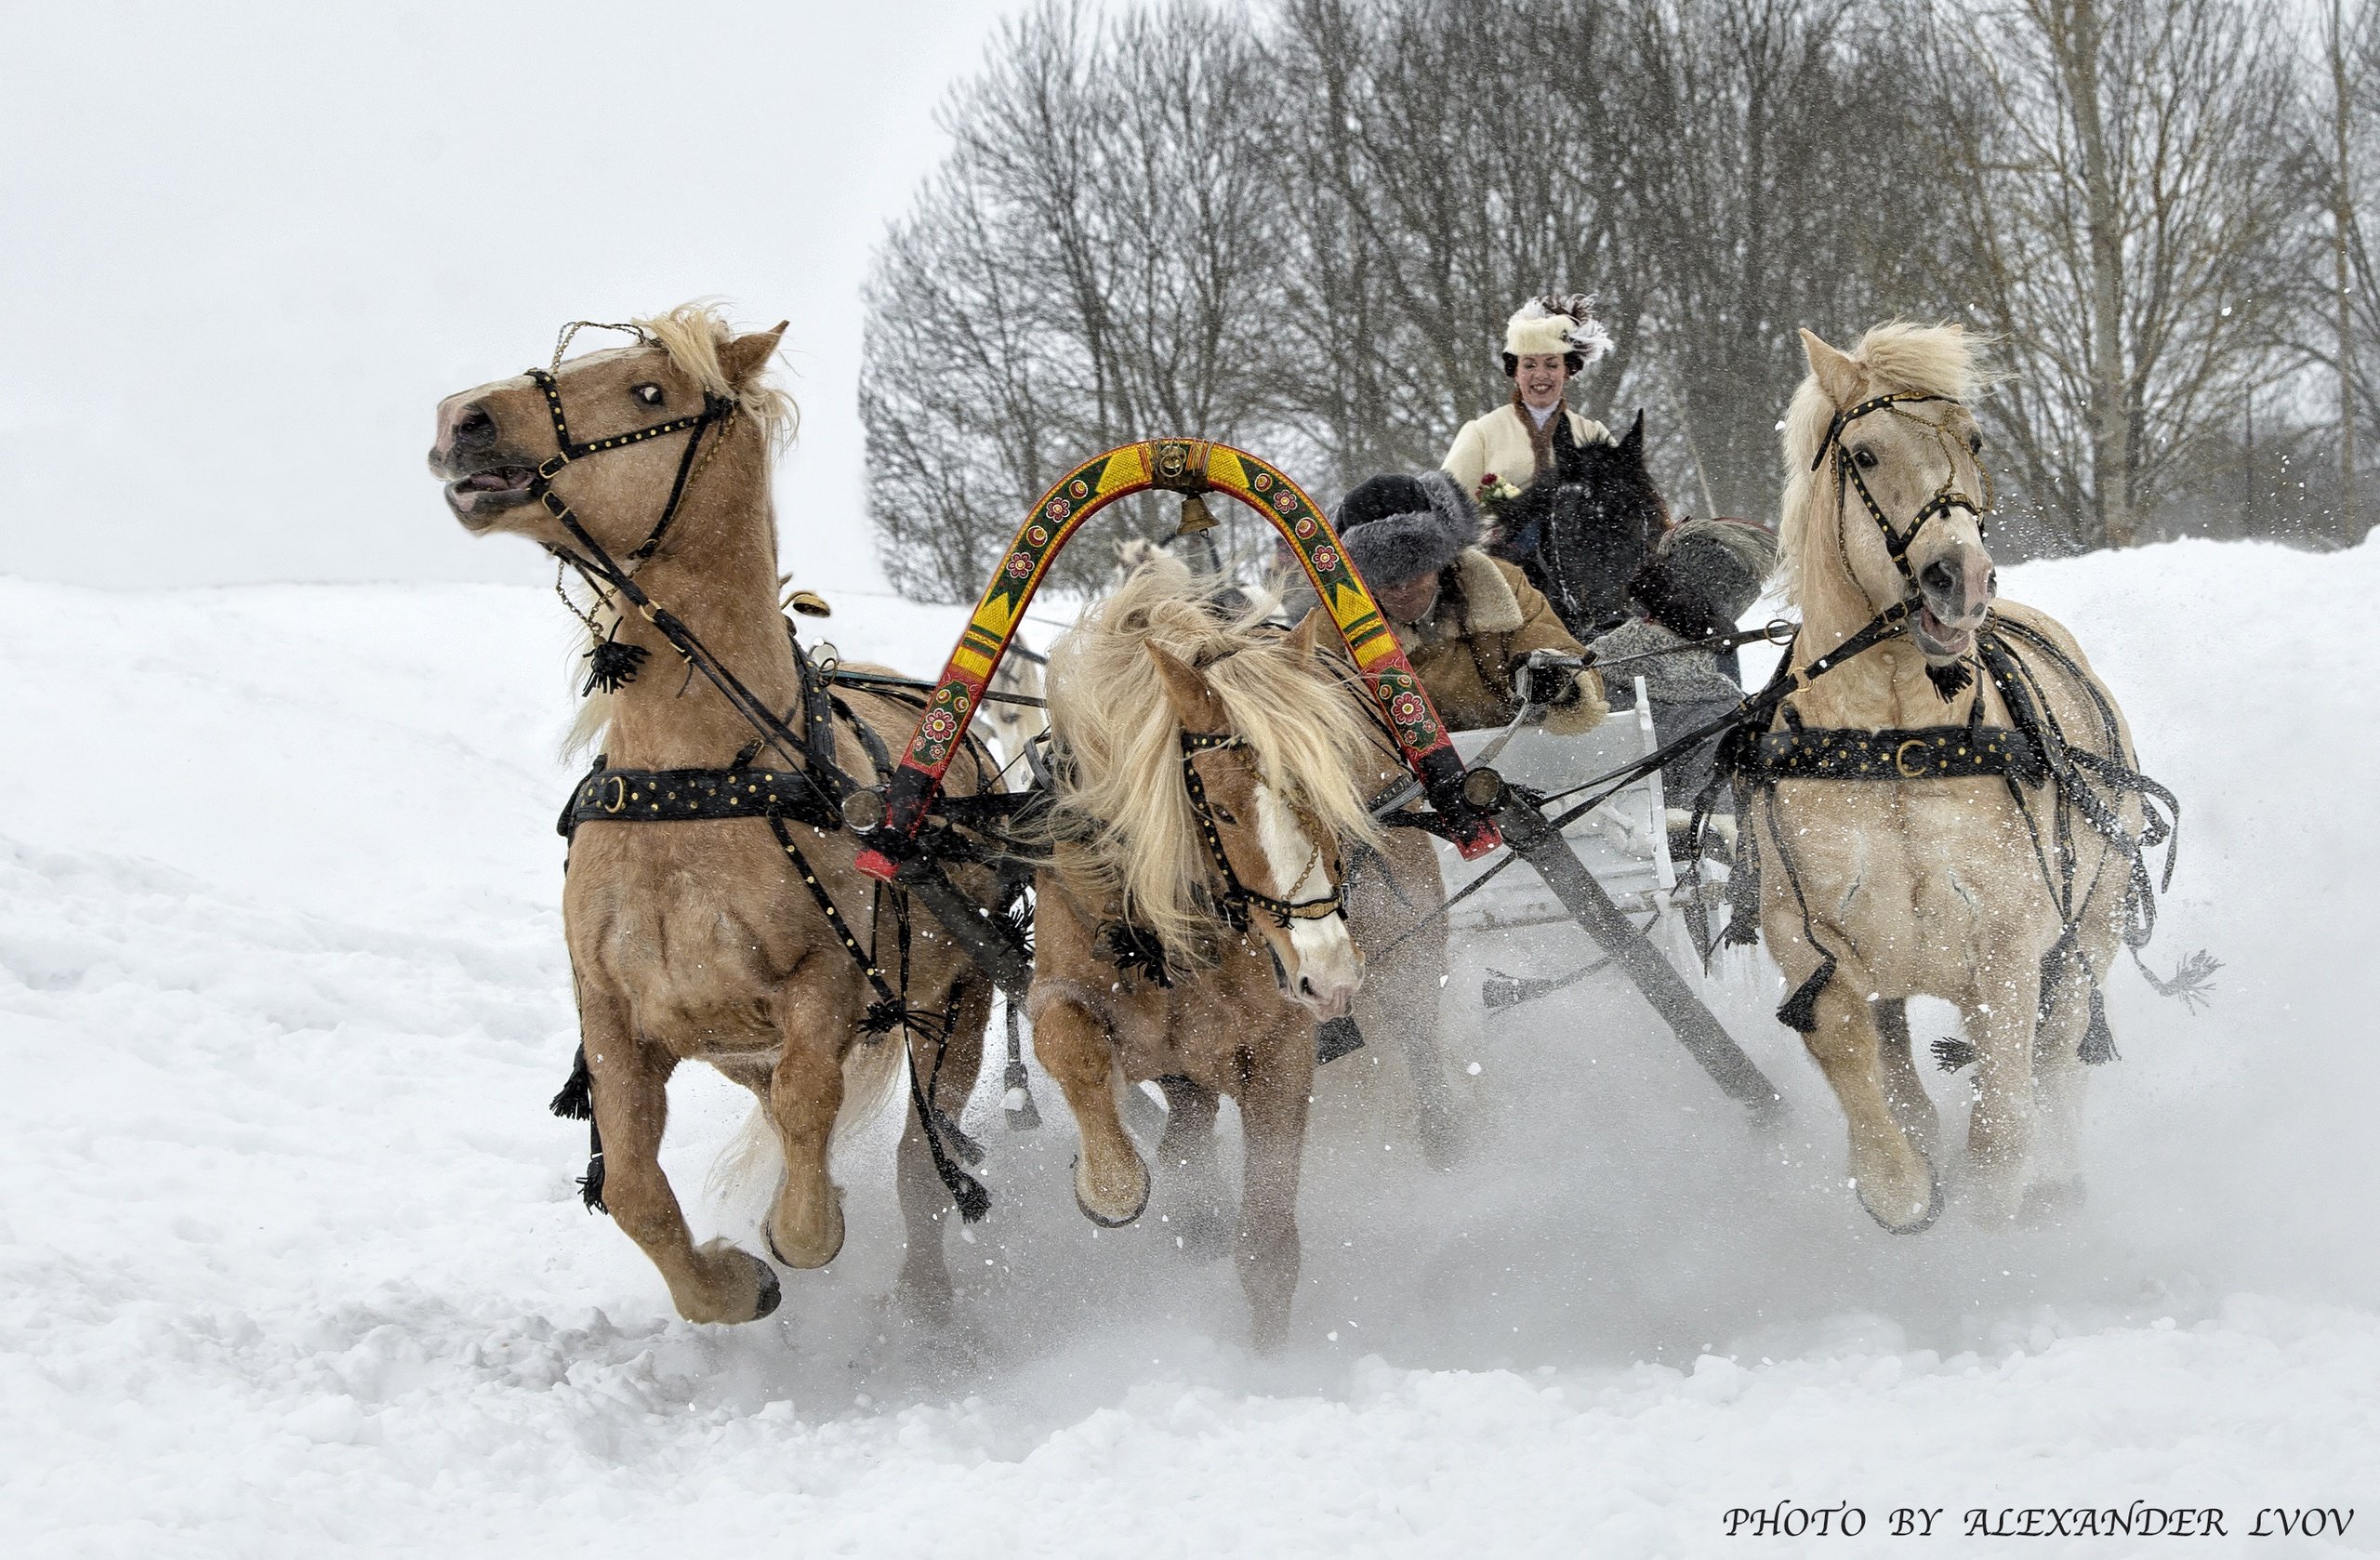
(1951, 1053)
(1133, 948)
(611, 665)
(1801, 1010)
(888, 1013)
(2098, 1042)
(1952, 679)
(577, 1100)
(576, 1103)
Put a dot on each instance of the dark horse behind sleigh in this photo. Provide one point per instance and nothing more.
(1582, 528)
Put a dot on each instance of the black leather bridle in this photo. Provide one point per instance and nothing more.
(1946, 497)
(1238, 899)
(715, 412)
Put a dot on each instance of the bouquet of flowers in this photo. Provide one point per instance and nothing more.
(1492, 495)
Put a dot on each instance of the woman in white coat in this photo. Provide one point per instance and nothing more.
(1548, 340)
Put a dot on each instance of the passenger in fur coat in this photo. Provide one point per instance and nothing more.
(1467, 621)
(1548, 340)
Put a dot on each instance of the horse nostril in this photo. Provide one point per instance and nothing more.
(474, 427)
(1938, 577)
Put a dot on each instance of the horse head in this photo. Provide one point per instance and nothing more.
(611, 436)
(1270, 851)
(1211, 770)
(1887, 428)
(1608, 516)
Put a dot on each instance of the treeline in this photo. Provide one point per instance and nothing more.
(1300, 228)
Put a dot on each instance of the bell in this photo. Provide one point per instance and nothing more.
(810, 605)
(1195, 517)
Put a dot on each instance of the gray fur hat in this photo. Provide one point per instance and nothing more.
(1399, 528)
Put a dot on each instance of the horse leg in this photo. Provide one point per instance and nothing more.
(712, 1283)
(1895, 1182)
(1201, 1223)
(1272, 1101)
(1904, 1090)
(805, 1227)
(2060, 1079)
(1401, 992)
(946, 1071)
(2003, 1018)
(1072, 1043)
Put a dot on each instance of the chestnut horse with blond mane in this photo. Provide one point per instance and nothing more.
(701, 937)
(1189, 928)
(1947, 804)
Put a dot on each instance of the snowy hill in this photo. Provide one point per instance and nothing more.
(294, 1263)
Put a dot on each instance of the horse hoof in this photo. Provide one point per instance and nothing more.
(808, 1260)
(1101, 1219)
(1921, 1221)
(772, 1292)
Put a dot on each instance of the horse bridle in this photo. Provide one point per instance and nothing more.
(1237, 898)
(717, 410)
(1946, 497)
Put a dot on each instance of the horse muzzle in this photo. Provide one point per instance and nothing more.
(482, 478)
(1955, 590)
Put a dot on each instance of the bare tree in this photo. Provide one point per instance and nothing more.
(1090, 266)
(2129, 172)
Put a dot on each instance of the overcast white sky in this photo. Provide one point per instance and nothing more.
(245, 247)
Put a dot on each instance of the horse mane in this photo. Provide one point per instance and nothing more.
(1120, 792)
(1901, 357)
(692, 333)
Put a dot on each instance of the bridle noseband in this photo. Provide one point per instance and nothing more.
(1237, 898)
(1946, 497)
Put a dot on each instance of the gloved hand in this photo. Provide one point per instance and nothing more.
(1549, 682)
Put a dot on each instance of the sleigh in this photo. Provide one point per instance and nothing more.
(1602, 867)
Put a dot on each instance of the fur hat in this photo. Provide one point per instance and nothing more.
(1399, 528)
(1557, 323)
(1705, 575)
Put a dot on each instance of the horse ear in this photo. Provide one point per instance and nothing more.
(1633, 439)
(1307, 634)
(743, 358)
(1837, 375)
(1194, 703)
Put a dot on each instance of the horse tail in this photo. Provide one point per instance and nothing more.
(750, 1169)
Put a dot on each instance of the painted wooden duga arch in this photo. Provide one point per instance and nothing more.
(1185, 466)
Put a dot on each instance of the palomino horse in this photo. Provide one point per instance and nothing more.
(701, 937)
(1187, 925)
(1924, 830)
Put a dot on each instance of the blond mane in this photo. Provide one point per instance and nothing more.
(1899, 358)
(692, 333)
(1120, 791)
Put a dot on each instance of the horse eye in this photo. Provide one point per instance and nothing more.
(1974, 442)
(1864, 458)
(651, 396)
(1223, 815)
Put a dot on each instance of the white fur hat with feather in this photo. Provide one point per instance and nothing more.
(1557, 323)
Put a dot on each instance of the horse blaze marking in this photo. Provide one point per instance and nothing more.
(1189, 466)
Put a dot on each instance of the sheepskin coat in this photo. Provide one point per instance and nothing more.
(1507, 442)
(1487, 618)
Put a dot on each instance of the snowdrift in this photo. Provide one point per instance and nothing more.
(294, 1262)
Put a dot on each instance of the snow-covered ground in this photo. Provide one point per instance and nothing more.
(291, 1264)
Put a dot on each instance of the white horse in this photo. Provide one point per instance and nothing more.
(1953, 811)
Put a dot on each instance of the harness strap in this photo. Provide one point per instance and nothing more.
(889, 1012)
(638, 796)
